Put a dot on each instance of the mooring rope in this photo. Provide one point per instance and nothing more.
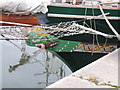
(109, 24)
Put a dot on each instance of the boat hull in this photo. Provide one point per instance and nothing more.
(77, 60)
(81, 14)
(14, 19)
(57, 14)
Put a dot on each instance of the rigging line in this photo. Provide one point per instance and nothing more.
(12, 39)
(97, 39)
(71, 30)
(6, 38)
(78, 26)
(11, 42)
(85, 16)
(109, 24)
(101, 24)
(20, 24)
(99, 43)
(20, 49)
(93, 44)
(94, 31)
(94, 28)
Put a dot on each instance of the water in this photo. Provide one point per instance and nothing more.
(0, 65)
(33, 74)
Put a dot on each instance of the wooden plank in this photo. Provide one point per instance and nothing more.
(23, 19)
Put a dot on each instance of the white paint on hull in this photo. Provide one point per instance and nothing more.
(81, 16)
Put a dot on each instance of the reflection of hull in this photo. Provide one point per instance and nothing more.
(57, 14)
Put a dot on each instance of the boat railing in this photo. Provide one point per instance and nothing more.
(72, 2)
(86, 3)
(113, 4)
(98, 2)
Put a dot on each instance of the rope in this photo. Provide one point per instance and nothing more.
(109, 24)
(11, 42)
(22, 50)
(58, 31)
(85, 16)
(99, 44)
(19, 24)
(95, 29)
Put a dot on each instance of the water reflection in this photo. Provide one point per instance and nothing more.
(34, 69)
(24, 60)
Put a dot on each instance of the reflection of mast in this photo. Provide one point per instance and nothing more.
(47, 68)
(24, 59)
(62, 72)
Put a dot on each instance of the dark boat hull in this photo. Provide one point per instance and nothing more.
(75, 60)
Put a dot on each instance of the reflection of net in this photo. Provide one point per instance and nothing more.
(59, 30)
